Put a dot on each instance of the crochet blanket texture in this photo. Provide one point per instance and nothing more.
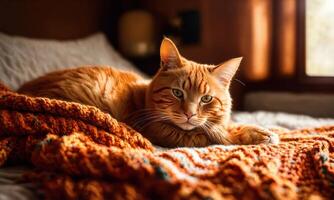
(79, 152)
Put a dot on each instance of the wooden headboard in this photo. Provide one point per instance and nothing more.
(57, 19)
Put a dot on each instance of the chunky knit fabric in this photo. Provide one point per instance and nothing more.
(80, 152)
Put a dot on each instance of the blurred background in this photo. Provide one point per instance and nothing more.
(287, 45)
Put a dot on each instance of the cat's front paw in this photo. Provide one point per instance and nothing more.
(256, 135)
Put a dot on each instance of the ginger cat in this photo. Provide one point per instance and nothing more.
(185, 103)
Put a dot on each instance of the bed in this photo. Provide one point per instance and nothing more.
(23, 59)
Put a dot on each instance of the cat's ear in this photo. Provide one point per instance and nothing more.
(169, 55)
(224, 72)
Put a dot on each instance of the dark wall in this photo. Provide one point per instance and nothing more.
(57, 19)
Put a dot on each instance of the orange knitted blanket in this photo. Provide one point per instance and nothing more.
(80, 152)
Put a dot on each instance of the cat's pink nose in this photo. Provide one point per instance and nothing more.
(189, 114)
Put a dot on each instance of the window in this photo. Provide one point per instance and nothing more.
(319, 46)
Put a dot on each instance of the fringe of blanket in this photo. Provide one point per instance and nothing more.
(80, 152)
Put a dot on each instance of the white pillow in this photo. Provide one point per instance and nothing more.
(23, 59)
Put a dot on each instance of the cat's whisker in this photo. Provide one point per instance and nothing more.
(207, 131)
(142, 114)
(141, 117)
(215, 136)
(143, 111)
(239, 81)
(142, 127)
(143, 122)
(216, 131)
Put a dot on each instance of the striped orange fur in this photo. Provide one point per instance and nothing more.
(185, 103)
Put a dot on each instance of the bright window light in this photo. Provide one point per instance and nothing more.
(320, 37)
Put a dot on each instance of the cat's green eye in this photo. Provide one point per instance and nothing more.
(178, 93)
(206, 98)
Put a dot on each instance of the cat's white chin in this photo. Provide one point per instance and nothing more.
(186, 126)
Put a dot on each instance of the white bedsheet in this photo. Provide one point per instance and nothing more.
(279, 119)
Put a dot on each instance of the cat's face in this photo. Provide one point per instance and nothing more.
(191, 95)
